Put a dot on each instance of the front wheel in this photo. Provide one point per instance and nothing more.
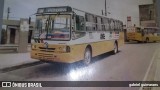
(87, 56)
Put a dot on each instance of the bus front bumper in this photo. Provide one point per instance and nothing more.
(52, 57)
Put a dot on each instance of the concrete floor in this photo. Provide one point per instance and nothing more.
(130, 64)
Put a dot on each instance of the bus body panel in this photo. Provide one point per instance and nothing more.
(77, 50)
(100, 36)
(134, 36)
(76, 54)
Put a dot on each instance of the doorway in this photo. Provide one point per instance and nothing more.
(12, 36)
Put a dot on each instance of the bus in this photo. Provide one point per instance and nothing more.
(67, 35)
(145, 34)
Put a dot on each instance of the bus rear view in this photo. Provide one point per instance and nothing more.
(134, 34)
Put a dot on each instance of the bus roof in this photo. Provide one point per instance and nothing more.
(64, 9)
(58, 9)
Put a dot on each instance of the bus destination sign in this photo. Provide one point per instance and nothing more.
(54, 10)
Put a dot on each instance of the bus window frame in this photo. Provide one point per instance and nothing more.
(80, 18)
(107, 24)
(70, 14)
(111, 29)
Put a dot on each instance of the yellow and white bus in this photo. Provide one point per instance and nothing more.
(65, 34)
(145, 34)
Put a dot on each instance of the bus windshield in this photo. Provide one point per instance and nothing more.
(53, 27)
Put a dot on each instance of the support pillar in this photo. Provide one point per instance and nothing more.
(23, 36)
(1, 17)
(8, 35)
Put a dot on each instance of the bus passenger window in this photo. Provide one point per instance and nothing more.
(94, 27)
(79, 23)
(118, 26)
(112, 25)
(95, 19)
(115, 26)
(103, 28)
(99, 26)
(86, 17)
(107, 24)
(143, 32)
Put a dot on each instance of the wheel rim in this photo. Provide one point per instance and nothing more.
(87, 57)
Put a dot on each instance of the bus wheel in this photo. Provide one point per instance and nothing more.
(115, 48)
(87, 56)
(147, 40)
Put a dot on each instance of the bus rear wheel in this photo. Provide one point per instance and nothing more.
(87, 56)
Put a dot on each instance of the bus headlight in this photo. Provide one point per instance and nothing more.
(65, 49)
(33, 46)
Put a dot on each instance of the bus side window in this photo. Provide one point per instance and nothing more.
(112, 25)
(95, 21)
(99, 27)
(102, 23)
(90, 22)
(143, 32)
(80, 23)
(86, 17)
(115, 26)
(119, 26)
(77, 23)
(107, 25)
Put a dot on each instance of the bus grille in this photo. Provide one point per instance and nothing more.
(47, 49)
(45, 56)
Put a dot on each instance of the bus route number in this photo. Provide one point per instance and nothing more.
(102, 36)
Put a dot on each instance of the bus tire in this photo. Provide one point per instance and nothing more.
(87, 56)
(147, 40)
(115, 51)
